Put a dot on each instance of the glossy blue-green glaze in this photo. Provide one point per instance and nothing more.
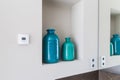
(116, 44)
(111, 49)
(68, 50)
(51, 47)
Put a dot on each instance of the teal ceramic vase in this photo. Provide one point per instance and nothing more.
(116, 44)
(51, 47)
(68, 50)
(111, 49)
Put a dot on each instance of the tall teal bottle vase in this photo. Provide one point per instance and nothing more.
(51, 47)
(68, 50)
(116, 44)
(111, 49)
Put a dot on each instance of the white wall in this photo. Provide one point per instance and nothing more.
(20, 62)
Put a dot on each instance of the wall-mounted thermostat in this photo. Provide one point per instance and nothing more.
(23, 39)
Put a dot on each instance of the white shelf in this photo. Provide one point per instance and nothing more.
(68, 2)
(64, 69)
(60, 63)
(115, 12)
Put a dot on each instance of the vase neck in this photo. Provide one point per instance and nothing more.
(50, 31)
(116, 35)
(67, 39)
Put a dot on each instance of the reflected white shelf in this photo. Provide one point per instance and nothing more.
(109, 24)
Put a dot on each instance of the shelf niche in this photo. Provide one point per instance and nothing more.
(115, 22)
(66, 17)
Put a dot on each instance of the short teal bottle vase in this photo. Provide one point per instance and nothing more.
(51, 47)
(68, 50)
(111, 49)
(116, 44)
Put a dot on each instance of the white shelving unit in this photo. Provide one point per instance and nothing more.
(75, 18)
(109, 24)
(79, 20)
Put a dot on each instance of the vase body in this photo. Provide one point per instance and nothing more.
(111, 49)
(51, 47)
(68, 50)
(116, 44)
